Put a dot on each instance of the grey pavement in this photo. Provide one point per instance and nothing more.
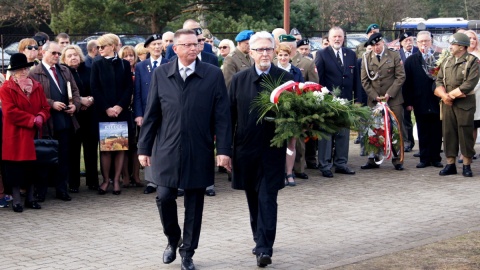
(323, 223)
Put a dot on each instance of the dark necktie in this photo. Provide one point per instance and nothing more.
(155, 64)
(378, 57)
(55, 74)
(339, 60)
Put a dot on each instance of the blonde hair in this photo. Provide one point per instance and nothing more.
(128, 49)
(476, 38)
(140, 49)
(72, 47)
(283, 47)
(229, 43)
(25, 42)
(109, 39)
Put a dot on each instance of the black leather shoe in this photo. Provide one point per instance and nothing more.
(32, 205)
(345, 170)
(356, 141)
(369, 166)
(417, 154)
(263, 260)
(467, 171)
(437, 164)
(408, 149)
(448, 170)
(63, 196)
(149, 189)
(210, 192)
(17, 208)
(180, 192)
(327, 173)
(301, 175)
(187, 264)
(399, 167)
(254, 251)
(422, 165)
(170, 254)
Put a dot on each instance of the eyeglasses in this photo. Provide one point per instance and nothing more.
(56, 53)
(223, 47)
(188, 45)
(261, 50)
(30, 47)
(102, 47)
(424, 41)
(200, 40)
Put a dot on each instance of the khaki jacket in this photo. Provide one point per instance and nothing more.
(306, 66)
(234, 63)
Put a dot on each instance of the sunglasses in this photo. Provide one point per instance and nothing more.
(32, 47)
(102, 47)
(223, 47)
(56, 53)
(200, 40)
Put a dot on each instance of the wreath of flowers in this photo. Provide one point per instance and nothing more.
(382, 136)
(304, 110)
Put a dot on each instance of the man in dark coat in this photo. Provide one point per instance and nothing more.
(259, 169)
(337, 68)
(418, 93)
(187, 106)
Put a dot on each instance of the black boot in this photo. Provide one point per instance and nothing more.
(448, 170)
(467, 171)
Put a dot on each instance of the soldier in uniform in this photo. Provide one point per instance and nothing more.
(382, 76)
(371, 29)
(456, 80)
(303, 47)
(240, 58)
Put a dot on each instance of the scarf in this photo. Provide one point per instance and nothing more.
(26, 84)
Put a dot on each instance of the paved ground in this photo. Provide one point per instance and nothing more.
(323, 223)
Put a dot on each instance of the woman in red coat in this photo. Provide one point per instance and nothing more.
(25, 109)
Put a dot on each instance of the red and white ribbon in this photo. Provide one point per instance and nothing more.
(292, 86)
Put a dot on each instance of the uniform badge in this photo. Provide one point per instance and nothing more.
(372, 72)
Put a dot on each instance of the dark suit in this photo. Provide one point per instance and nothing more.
(170, 53)
(143, 76)
(333, 75)
(418, 92)
(258, 168)
(180, 122)
(407, 115)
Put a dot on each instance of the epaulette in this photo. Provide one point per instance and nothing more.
(393, 49)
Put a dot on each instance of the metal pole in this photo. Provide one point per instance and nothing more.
(286, 15)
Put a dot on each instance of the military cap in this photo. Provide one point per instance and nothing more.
(244, 35)
(198, 31)
(286, 38)
(151, 38)
(404, 36)
(459, 39)
(294, 32)
(371, 27)
(207, 34)
(302, 42)
(374, 39)
(40, 40)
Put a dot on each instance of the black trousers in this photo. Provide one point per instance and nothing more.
(262, 205)
(429, 128)
(167, 208)
(86, 137)
(408, 125)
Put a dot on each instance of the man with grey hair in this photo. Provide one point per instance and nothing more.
(418, 95)
(167, 39)
(258, 167)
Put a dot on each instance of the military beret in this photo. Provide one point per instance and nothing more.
(40, 40)
(207, 34)
(302, 42)
(371, 27)
(294, 32)
(198, 31)
(374, 39)
(286, 38)
(244, 35)
(151, 38)
(404, 36)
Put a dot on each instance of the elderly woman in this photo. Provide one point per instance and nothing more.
(141, 51)
(87, 135)
(112, 87)
(25, 109)
(225, 48)
(128, 53)
(284, 53)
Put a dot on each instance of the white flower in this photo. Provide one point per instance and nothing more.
(340, 100)
(325, 90)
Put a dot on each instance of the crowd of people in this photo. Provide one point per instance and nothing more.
(183, 98)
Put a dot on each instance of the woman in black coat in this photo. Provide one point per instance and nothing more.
(73, 58)
(112, 88)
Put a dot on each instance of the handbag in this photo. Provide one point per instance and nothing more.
(46, 150)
